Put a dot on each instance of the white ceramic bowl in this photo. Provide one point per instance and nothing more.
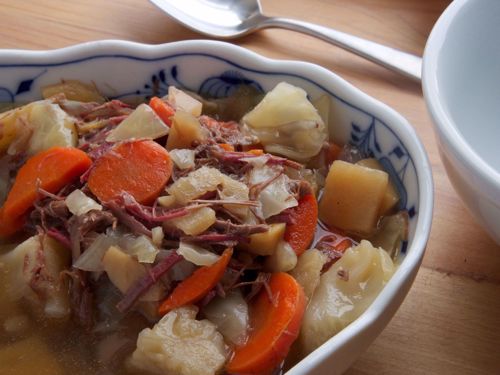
(461, 82)
(124, 69)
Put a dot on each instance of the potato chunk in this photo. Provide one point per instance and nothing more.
(123, 270)
(391, 196)
(352, 197)
(344, 293)
(185, 130)
(180, 344)
(266, 243)
(29, 356)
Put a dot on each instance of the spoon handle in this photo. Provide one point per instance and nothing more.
(401, 62)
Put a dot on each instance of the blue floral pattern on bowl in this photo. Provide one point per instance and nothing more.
(219, 77)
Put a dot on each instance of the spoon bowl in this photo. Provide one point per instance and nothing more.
(228, 19)
(223, 19)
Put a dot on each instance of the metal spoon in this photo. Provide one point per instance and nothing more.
(227, 19)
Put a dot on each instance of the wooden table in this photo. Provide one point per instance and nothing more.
(450, 321)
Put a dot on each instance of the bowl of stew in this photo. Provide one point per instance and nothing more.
(195, 208)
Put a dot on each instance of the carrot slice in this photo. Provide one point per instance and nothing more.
(142, 168)
(162, 109)
(226, 147)
(50, 170)
(275, 326)
(196, 286)
(300, 233)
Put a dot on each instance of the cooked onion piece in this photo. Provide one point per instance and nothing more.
(78, 203)
(196, 254)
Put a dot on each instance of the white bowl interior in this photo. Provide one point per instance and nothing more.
(468, 76)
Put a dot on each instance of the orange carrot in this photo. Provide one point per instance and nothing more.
(196, 286)
(332, 153)
(141, 168)
(300, 233)
(256, 151)
(162, 109)
(226, 147)
(10, 226)
(50, 170)
(275, 326)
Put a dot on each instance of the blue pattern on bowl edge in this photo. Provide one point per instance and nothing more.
(395, 158)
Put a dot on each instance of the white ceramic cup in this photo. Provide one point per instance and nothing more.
(461, 83)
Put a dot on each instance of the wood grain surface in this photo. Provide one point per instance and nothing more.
(450, 321)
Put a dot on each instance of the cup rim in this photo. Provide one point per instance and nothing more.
(443, 123)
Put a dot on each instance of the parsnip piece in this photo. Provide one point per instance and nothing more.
(196, 222)
(142, 123)
(185, 130)
(352, 197)
(29, 356)
(287, 123)
(180, 100)
(74, 90)
(266, 243)
(180, 344)
(123, 270)
(308, 270)
(344, 293)
(391, 196)
(51, 127)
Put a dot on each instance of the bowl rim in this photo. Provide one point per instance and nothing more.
(443, 123)
(409, 266)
